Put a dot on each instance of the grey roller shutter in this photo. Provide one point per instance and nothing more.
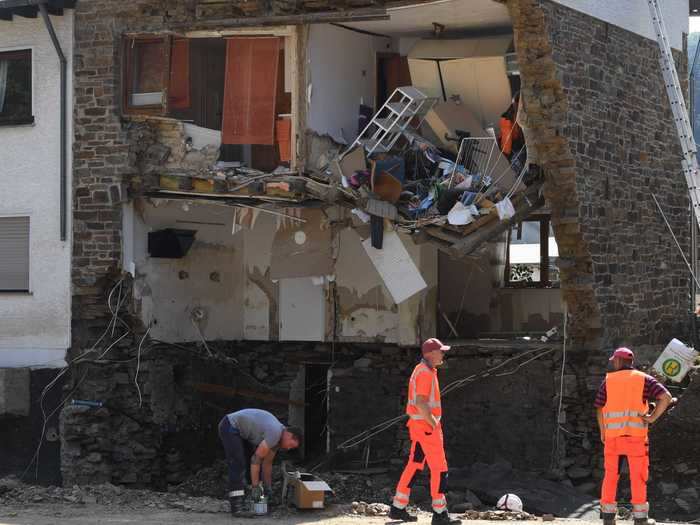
(14, 254)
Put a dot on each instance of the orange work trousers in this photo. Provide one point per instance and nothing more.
(637, 451)
(426, 447)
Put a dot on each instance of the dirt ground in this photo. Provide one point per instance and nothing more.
(55, 514)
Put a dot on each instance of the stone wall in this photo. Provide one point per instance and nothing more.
(171, 431)
(600, 124)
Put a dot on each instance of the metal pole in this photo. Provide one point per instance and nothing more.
(63, 157)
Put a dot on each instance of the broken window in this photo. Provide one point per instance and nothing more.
(532, 253)
(238, 85)
(16, 87)
(14, 254)
(146, 74)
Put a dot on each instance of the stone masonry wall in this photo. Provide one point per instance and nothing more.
(601, 126)
(604, 133)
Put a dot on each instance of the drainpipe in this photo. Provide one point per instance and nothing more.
(64, 67)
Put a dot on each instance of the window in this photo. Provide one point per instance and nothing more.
(14, 254)
(532, 253)
(16, 87)
(146, 74)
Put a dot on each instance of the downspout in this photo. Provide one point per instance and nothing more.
(64, 67)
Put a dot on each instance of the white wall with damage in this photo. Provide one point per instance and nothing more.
(201, 292)
(274, 278)
(35, 326)
(634, 16)
(334, 99)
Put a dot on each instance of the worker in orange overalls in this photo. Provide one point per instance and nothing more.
(424, 428)
(622, 405)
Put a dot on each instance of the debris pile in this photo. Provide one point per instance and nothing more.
(419, 165)
(497, 515)
(369, 509)
(14, 492)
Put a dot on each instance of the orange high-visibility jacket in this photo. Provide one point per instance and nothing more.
(625, 404)
(433, 399)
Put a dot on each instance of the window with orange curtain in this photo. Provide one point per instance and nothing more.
(250, 90)
(179, 88)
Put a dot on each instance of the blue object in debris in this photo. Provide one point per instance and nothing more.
(394, 166)
(468, 197)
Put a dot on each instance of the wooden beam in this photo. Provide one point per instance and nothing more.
(325, 17)
(227, 391)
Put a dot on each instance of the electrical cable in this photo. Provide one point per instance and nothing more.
(385, 425)
(690, 268)
(138, 365)
(555, 451)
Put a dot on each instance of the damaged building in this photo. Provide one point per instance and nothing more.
(274, 203)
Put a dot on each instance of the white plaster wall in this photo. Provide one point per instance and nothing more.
(35, 327)
(166, 299)
(335, 98)
(634, 16)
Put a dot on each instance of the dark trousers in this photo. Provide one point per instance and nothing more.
(238, 452)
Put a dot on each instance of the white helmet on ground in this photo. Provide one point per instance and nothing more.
(510, 502)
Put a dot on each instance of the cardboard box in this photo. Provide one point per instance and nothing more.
(308, 491)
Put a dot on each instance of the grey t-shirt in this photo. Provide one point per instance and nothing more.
(255, 425)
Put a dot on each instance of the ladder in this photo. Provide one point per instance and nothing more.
(678, 108)
(404, 109)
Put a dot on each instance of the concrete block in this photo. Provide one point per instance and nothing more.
(14, 392)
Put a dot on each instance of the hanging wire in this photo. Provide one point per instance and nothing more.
(385, 425)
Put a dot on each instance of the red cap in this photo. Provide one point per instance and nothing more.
(432, 344)
(623, 353)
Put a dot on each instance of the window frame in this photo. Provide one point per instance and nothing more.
(29, 119)
(128, 41)
(29, 289)
(544, 282)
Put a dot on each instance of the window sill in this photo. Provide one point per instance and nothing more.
(15, 292)
(20, 121)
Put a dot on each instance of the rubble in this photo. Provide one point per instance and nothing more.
(497, 515)
(13, 492)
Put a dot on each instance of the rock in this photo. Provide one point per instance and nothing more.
(567, 462)
(473, 499)
(455, 497)
(461, 507)
(578, 472)
(588, 488)
(668, 489)
(490, 482)
(363, 362)
(681, 467)
(688, 499)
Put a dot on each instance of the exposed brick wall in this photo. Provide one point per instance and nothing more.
(604, 133)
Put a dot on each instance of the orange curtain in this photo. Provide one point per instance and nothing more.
(250, 90)
(179, 90)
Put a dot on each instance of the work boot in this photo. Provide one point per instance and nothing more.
(398, 514)
(443, 518)
(644, 521)
(238, 506)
